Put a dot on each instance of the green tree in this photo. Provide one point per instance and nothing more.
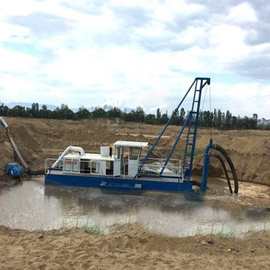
(35, 110)
(158, 115)
(83, 113)
(114, 113)
(99, 113)
(150, 119)
(182, 116)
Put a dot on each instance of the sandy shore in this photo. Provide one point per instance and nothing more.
(130, 247)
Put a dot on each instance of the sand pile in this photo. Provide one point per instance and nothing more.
(42, 138)
(129, 247)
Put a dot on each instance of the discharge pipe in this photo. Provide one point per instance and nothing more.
(223, 158)
(14, 169)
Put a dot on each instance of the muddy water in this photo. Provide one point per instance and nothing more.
(33, 206)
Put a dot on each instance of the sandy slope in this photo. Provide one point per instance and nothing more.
(41, 138)
(130, 248)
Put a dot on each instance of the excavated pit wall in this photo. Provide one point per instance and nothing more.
(38, 139)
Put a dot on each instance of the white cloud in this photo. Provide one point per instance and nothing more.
(23, 8)
(171, 9)
(244, 98)
(101, 59)
(15, 32)
(228, 43)
(242, 13)
(16, 62)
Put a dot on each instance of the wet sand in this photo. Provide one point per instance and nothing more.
(130, 247)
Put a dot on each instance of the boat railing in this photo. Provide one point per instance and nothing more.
(151, 167)
(48, 164)
(154, 165)
(84, 167)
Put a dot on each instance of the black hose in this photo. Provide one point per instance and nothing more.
(37, 172)
(224, 154)
(218, 157)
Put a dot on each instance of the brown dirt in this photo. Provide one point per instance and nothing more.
(130, 247)
(42, 138)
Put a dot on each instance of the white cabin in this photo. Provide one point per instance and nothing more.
(120, 160)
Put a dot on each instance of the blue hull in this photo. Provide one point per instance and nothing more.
(115, 183)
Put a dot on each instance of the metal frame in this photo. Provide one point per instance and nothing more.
(191, 122)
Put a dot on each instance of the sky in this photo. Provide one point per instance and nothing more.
(136, 53)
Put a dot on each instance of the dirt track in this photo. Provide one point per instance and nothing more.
(130, 248)
(41, 138)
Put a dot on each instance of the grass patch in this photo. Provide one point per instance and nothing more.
(92, 229)
(225, 234)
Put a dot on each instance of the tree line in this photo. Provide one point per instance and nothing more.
(216, 119)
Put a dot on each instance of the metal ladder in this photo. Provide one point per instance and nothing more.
(192, 131)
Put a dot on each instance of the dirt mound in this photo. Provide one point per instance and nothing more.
(42, 138)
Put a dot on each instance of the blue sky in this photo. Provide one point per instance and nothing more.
(135, 53)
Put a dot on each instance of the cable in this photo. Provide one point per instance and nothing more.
(212, 118)
(204, 98)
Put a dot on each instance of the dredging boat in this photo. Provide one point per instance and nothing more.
(129, 165)
(114, 167)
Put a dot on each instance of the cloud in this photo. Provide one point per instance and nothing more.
(242, 13)
(260, 31)
(257, 66)
(131, 16)
(42, 24)
(93, 7)
(131, 53)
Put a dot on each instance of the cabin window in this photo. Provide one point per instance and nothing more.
(118, 152)
(68, 164)
(72, 165)
(134, 153)
(109, 168)
(84, 166)
(95, 167)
